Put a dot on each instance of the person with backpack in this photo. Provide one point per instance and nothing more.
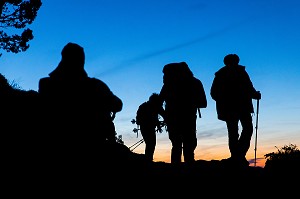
(147, 118)
(233, 91)
(77, 110)
(183, 94)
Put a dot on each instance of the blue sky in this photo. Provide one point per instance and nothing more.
(127, 43)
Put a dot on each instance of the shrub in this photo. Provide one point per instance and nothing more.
(286, 159)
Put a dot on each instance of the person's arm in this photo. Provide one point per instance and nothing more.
(256, 95)
(214, 89)
(113, 102)
(253, 92)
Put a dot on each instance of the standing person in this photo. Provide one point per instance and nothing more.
(77, 109)
(233, 92)
(147, 117)
(183, 95)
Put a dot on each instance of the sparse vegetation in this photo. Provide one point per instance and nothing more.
(16, 15)
(286, 158)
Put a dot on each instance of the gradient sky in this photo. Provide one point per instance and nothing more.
(127, 43)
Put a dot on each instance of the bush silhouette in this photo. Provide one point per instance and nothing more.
(286, 159)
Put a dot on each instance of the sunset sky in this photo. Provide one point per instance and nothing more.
(127, 43)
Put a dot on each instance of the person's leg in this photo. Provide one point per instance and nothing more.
(151, 142)
(189, 146)
(246, 134)
(189, 140)
(233, 137)
(176, 151)
(148, 140)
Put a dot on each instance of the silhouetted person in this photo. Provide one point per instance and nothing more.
(147, 117)
(233, 92)
(183, 94)
(77, 110)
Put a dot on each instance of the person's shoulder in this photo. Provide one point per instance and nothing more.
(221, 70)
(96, 82)
(242, 70)
(44, 80)
(241, 67)
(143, 105)
(197, 81)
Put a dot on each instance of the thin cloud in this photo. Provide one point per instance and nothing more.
(144, 57)
(212, 133)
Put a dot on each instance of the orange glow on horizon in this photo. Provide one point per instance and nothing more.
(260, 162)
(163, 155)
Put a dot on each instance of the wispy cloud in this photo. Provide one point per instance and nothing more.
(143, 57)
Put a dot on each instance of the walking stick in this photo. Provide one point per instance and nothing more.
(138, 143)
(256, 127)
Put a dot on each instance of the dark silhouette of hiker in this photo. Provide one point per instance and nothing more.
(233, 92)
(183, 95)
(77, 110)
(147, 117)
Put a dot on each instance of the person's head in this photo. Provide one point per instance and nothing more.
(72, 62)
(74, 54)
(231, 60)
(155, 98)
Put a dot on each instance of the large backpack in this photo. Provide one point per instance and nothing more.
(141, 114)
(178, 78)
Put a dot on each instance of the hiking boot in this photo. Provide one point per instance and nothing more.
(228, 162)
(243, 162)
(236, 162)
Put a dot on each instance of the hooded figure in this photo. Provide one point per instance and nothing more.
(76, 109)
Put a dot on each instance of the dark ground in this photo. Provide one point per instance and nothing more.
(122, 173)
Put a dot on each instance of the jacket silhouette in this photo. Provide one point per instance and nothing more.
(233, 92)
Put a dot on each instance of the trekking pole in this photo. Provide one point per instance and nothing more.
(256, 127)
(136, 144)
